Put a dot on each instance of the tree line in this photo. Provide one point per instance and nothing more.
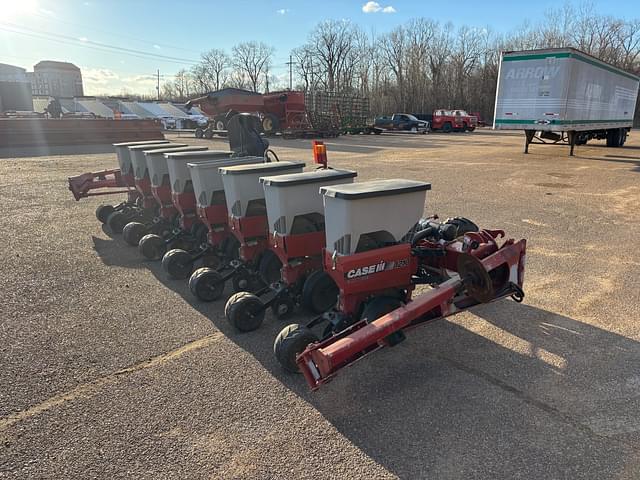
(417, 66)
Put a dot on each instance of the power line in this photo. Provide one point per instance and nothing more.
(120, 34)
(67, 40)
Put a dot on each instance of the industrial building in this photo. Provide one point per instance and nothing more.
(56, 79)
(15, 89)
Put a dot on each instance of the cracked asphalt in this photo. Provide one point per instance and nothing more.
(109, 370)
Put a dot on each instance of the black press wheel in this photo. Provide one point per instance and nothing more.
(447, 128)
(177, 263)
(103, 212)
(152, 247)
(378, 307)
(133, 232)
(319, 292)
(244, 311)
(283, 306)
(206, 284)
(269, 267)
(290, 342)
(208, 133)
(199, 133)
(116, 221)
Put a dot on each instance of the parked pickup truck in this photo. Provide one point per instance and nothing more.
(450, 121)
(402, 122)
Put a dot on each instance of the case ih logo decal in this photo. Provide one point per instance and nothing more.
(376, 268)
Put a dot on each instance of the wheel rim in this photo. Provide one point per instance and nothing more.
(267, 124)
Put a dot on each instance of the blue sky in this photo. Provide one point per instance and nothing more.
(64, 29)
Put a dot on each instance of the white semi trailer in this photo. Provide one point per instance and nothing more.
(564, 95)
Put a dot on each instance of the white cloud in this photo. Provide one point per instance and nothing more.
(83, 39)
(99, 76)
(282, 11)
(375, 7)
(371, 7)
(157, 47)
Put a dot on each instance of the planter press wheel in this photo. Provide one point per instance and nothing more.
(116, 221)
(244, 311)
(475, 278)
(289, 343)
(133, 232)
(103, 212)
(177, 263)
(319, 292)
(269, 267)
(206, 284)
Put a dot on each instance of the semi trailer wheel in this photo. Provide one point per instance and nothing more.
(116, 221)
(244, 311)
(206, 284)
(103, 212)
(177, 263)
(133, 232)
(319, 292)
(152, 247)
(199, 133)
(290, 342)
(447, 128)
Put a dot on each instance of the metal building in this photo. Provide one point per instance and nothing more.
(15, 89)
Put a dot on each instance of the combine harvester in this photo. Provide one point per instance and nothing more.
(563, 95)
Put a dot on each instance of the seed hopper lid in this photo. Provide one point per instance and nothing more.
(252, 168)
(375, 188)
(142, 142)
(317, 176)
(157, 146)
(188, 148)
(221, 162)
(196, 155)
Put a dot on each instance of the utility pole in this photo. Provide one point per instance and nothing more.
(267, 75)
(158, 86)
(290, 63)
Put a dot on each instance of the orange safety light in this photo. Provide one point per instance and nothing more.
(319, 153)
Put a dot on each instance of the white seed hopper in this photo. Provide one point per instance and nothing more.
(122, 152)
(244, 192)
(179, 174)
(367, 215)
(136, 155)
(207, 180)
(294, 204)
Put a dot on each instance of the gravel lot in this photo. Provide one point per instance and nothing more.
(109, 370)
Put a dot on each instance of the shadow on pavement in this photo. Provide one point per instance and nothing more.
(555, 394)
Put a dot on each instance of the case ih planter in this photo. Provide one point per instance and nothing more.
(212, 211)
(158, 222)
(189, 232)
(81, 185)
(377, 265)
(297, 237)
(247, 220)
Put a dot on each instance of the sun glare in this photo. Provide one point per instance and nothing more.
(15, 10)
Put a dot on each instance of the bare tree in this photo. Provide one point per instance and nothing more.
(216, 65)
(252, 59)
